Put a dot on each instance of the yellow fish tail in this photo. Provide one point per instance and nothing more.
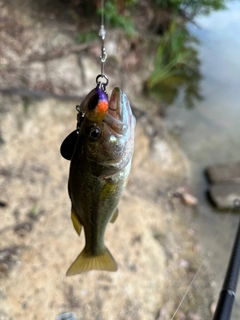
(86, 262)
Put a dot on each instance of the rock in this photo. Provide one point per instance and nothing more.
(225, 196)
(186, 196)
(225, 189)
(189, 199)
(23, 228)
(66, 316)
(213, 306)
(224, 173)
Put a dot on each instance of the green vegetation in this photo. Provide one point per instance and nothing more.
(115, 19)
(191, 8)
(26, 105)
(34, 212)
(86, 37)
(202, 6)
(176, 67)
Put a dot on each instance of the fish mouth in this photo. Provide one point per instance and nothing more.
(115, 106)
(115, 115)
(114, 112)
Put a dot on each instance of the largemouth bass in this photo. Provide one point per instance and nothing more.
(99, 169)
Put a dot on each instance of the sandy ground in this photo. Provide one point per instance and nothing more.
(156, 250)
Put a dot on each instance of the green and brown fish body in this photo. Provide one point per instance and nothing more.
(99, 169)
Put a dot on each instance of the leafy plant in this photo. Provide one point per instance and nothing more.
(176, 67)
(86, 37)
(115, 19)
(26, 105)
(191, 8)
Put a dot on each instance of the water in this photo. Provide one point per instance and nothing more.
(210, 132)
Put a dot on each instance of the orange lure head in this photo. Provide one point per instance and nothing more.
(95, 105)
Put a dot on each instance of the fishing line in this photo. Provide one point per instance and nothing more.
(188, 289)
(103, 57)
(236, 205)
(68, 145)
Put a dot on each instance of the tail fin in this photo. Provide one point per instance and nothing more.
(86, 262)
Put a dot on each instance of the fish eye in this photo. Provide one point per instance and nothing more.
(93, 133)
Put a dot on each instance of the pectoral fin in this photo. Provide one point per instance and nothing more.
(77, 225)
(114, 217)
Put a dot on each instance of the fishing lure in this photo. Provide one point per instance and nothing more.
(100, 150)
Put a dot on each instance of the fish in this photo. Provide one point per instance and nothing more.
(99, 170)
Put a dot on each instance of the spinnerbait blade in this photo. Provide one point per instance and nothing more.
(68, 145)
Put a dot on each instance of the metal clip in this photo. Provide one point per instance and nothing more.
(80, 117)
(102, 85)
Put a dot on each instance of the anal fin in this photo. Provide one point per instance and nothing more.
(114, 217)
(77, 225)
